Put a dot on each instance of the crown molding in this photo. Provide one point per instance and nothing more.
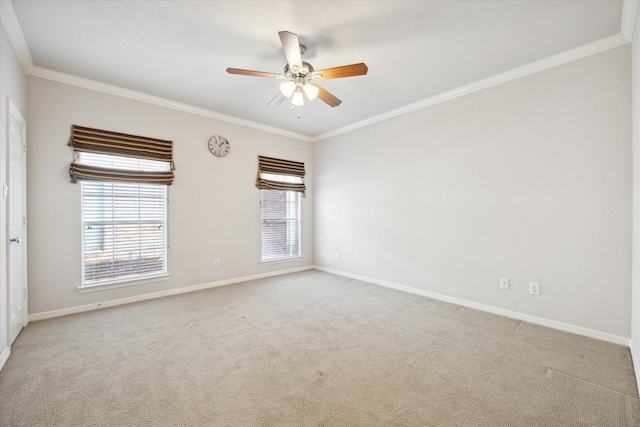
(516, 73)
(14, 31)
(629, 9)
(11, 24)
(155, 100)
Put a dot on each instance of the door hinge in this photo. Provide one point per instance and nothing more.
(5, 190)
(25, 294)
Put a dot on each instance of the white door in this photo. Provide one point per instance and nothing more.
(17, 222)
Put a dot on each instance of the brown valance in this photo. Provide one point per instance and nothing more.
(84, 139)
(274, 166)
(120, 144)
(280, 167)
(79, 171)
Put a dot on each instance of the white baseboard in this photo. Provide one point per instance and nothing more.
(636, 361)
(4, 356)
(483, 307)
(603, 336)
(111, 303)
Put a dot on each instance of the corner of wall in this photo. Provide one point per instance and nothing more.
(634, 343)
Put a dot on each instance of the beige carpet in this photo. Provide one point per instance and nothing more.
(310, 349)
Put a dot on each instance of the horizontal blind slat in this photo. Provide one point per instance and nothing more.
(280, 224)
(124, 236)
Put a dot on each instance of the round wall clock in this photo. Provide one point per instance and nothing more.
(219, 146)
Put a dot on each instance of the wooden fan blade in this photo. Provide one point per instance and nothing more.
(252, 73)
(325, 96)
(291, 48)
(339, 72)
(277, 100)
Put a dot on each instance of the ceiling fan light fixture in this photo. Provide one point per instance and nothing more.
(311, 91)
(297, 98)
(301, 77)
(287, 88)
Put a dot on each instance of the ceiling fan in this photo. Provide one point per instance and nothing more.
(300, 75)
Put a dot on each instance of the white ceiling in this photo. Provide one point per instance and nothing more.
(415, 50)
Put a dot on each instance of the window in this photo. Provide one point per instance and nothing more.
(123, 223)
(124, 180)
(280, 224)
(281, 184)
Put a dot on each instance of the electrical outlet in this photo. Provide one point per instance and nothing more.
(534, 288)
(504, 283)
(337, 255)
(216, 263)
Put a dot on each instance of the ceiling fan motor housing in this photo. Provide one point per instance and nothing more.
(306, 71)
(301, 75)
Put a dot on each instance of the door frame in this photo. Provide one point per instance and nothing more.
(13, 112)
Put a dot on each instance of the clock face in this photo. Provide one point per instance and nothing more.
(219, 146)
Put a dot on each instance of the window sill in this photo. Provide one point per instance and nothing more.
(281, 260)
(121, 284)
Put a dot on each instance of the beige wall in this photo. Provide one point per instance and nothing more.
(635, 67)
(529, 180)
(13, 86)
(214, 209)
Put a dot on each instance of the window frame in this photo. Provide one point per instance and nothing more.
(129, 279)
(298, 223)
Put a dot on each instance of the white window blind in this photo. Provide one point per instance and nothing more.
(124, 224)
(280, 221)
